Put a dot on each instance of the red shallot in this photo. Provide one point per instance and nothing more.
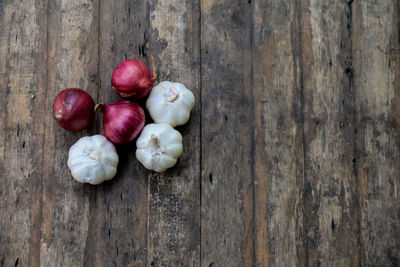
(132, 78)
(73, 109)
(122, 121)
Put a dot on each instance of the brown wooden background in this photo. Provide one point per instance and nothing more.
(291, 156)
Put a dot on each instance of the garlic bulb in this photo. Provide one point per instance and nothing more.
(93, 159)
(170, 103)
(158, 147)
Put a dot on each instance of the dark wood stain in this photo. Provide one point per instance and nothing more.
(291, 156)
(226, 65)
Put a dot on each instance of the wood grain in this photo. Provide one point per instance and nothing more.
(291, 156)
(376, 50)
(118, 233)
(278, 152)
(330, 195)
(227, 131)
(72, 39)
(174, 196)
(22, 79)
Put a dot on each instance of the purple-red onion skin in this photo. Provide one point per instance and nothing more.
(132, 78)
(73, 109)
(122, 121)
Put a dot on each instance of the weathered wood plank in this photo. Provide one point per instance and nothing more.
(71, 61)
(293, 143)
(22, 93)
(227, 134)
(278, 150)
(376, 61)
(174, 197)
(329, 194)
(118, 233)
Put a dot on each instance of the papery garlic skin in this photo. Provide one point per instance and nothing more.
(93, 160)
(170, 103)
(158, 147)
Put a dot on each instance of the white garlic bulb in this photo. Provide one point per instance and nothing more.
(170, 103)
(93, 159)
(159, 146)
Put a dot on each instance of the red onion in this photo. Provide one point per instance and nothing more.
(132, 78)
(122, 121)
(73, 109)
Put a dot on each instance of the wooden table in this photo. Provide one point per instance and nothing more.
(291, 156)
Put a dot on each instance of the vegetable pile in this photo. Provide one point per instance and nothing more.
(94, 159)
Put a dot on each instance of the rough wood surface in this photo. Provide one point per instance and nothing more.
(174, 196)
(291, 156)
(377, 91)
(118, 225)
(22, 75)
(278, 149)
(226, 208)
(65, 207)
(329, 193)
